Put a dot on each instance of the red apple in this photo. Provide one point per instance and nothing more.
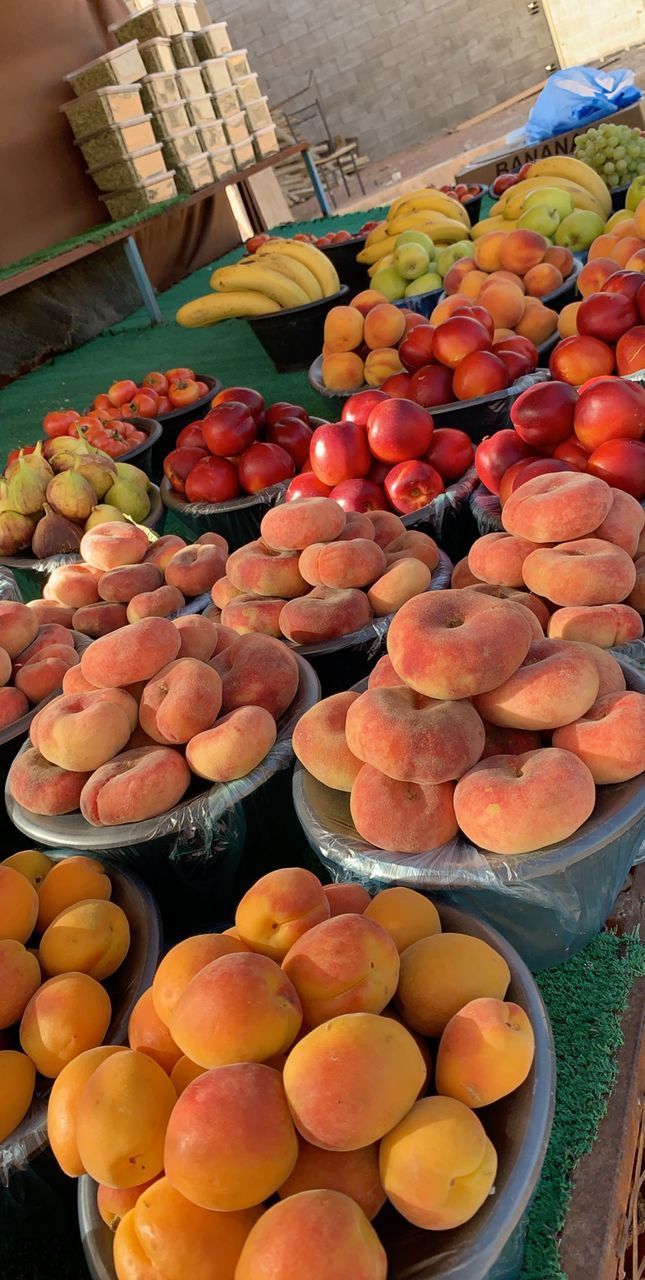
(606, 316)
(399, 430)
(228, 429)
(496, 454)
(212, 480)
(432, 386)
(528, 469)
(398, 385)
(293, 435)
(282, 409)
(178, 465)
(256, 242)
(451, 453)
(571, 451)
(503, 181)
(457, 338)
(627, 282)
(412, 319)
(263, 465)
(479, 374)
(191, 437)
(243, 395)
(580, 357)
(611, 409)
(306, 485)
(543, 415)
(630, 351)
(415, 349)
(476, 312)
(412, 485)
(357, 408)
(339, 451)
(622, 464)
(359, 495)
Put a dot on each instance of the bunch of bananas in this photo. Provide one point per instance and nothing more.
(280, 275)
(443, 219)
(585, 187)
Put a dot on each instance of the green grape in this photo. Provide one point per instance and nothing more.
(619, 153)
(609, 167)
(621, 166)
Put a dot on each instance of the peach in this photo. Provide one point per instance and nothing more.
(485, 1052)
(387, 526)
(211, 539)
(90, 937)
(135, 785)
(166, 1235)
(258, 569)
(381, 364)
(404, 579)
(556, 683)
(257, 671)
(568, 320)
(73, 585)
(308, 563)
(161, 603)
(161, 551)
(63, 1103)
(114, 1202)
(223, 591)
(68, 1014)
(610, 673)
(625, 251)
(19, 978)
(455, 274)
(347, 964)
(182, 700)
(182, 962)
(325, 614)
(623, 523)
(504, 301)
(135, 653)
(208, 1023)
(366, 299)
(198, 636)
(18, 905)
(43, 675)
(594, 274)
(193, 570)
(515, 804)
(5, 667)
(50, 635)
(357, 525)
(561, 258)
(118, 586)
(74, 682)
(236, 745)
(96, 620)
(402, 817)
(437, 1165)
(384, 326)
(13, 706)
(522, 250)
(148, 1034)
(350, 1080)
(350, 564)
(605, 625)
(537, 323)
(259, 614)
(509, 742)
(184, 1072)
(636, 597)
(559, 507)
(383, 675)
(320, 745)
(19, 626)
(609, 738)
(414, 543)
(51, 611)
(440, 973)
(343, 329)
(452, 644)
(447, 306)
(110, 545)
(292, 526)
(121, 1119)
(487, 254)
(405, 914)
(230, 1142)
(346, 898)
(498, 558)
(83, 730)
(313, 1234)
(17, 1083)
(342, 371)
(532, 608)
(585, 571)
(471, 285)
(279, 908)
(41, 787)
(354, 1173)
(32, 864)
(462, 575)
(412, 738)
(71, 880)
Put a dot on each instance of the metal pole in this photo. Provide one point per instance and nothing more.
(142, 281)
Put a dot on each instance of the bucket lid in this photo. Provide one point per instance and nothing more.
(143, 151)
(116, 127)
(147, 44)
(267, 128)
(158, 4)
(152, 181)
(103, 57)
(156, 75)
(105, 92)
(181, 133)
(212, 26)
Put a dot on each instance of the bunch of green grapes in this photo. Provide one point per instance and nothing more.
(615, 151)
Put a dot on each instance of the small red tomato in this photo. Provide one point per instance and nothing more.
(183, 392)
(158, 382)
(121, 392)
(142, 405)
(174, 375)
(57, 422)
(163, 406)
(99, 438)
(102, 401)
(451, 453)
(15, 453)
(191, 437)
(126, 429)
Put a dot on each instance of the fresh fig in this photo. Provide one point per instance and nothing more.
(99, 472)
(54, 535)
(68, 449)
(71, 496)
(103, 514)
(35, 462)
(26, 491)
(15, 532)
(131, 499)
(133, 475)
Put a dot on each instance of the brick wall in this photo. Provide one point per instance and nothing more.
(391, 73)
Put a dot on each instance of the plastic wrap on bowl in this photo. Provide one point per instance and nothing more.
(487, 510)
(237, 520)
(21, 726)
(9, 589)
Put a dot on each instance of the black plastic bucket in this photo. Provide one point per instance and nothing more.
(294, 337)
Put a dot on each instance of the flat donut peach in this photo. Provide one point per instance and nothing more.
(135, 785)
(402, 817)
(498, 558)
(556, 683)
(516, 804)
(605, 625)
(624, 524)
(513, 598)
(557, 507)
(350, 564)
(609, 738)
(257, 671)
(584, 571)
(258, 569)
(292, 526)
(325, 614)
(453, 644)
(412, 738)
(131, 654)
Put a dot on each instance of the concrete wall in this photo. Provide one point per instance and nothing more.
(393, 73)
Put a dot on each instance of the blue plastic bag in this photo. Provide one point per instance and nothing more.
(576, 96)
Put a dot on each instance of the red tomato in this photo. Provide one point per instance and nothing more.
(142, 405)
(58, 422)
(158, 382)
(191, 437)
(622, 464)
(202, 388)
(256, 242)
(451, 453)
(102, 401)
(571, 451)
(136, 438)
(121, 392)
(99, 437)
(174, 375)
(263, 465)
(183, 392)
(163, 406)
(15, 453)
(496, 454)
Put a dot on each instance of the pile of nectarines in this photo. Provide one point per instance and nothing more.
(317, 573)
(60, 938)
(291, 1056)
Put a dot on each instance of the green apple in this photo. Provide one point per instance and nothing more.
(542, 218)
(556, 198)
(579, 230)
(389, 282)
(411, 260)
(635, 193)
(447, 257)
(416, 237)
(424, 284)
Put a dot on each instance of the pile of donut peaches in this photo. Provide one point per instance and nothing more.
(289, 1059)
(498, 710)
(33, 660)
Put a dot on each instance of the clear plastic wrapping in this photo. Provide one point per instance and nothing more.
(21, 726)
(9, 589)
(487, 510)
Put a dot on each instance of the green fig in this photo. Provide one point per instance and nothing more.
(132, 475)
(35, 462)
(16, 532)
(26, 491)
(99, 472)
(71, 496)
(103, 514)
(55, 535)
(131, 499)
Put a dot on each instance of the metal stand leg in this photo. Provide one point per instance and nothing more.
(142, 282)
(319, 190)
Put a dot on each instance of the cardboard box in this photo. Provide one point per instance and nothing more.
(488, 168)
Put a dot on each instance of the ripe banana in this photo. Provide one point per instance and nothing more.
(373, 253)
(378, 234)
(311, 257)
(224, 306)
(576, 171)
(262, 279)
(496, 223)
(428, 198)
(388, 261)
(438, 228)
(295, 270)
(512, 201)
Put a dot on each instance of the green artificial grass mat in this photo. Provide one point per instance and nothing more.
(585, 999)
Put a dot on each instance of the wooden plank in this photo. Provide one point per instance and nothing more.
(500, 106)
(240, 177)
